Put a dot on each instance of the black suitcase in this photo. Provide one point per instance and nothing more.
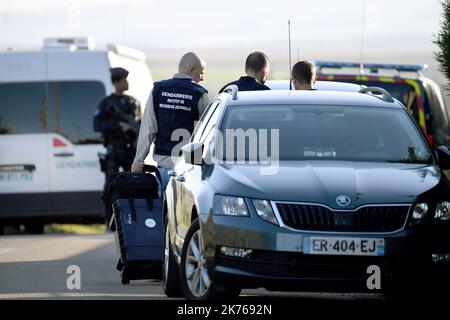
(139, 225)
(127, 185)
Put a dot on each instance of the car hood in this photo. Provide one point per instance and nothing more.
(324, 181)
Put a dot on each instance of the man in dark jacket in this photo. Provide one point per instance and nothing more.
(304, 75)
(117, 118)
(257, 68)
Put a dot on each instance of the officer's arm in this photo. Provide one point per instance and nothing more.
(203, 104)
(147, 132)
(137, 111)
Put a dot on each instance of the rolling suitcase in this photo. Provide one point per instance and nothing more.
(127, 185)
(136, 200)
(139, 225)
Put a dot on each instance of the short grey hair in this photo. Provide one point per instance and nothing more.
(188, 61)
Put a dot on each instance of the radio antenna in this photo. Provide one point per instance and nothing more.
(363, 26)
(290, 65)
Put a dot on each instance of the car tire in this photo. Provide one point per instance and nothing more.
(198, 285)
(170, 270)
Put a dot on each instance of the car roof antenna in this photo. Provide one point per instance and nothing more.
(363, 26)
(290, 65)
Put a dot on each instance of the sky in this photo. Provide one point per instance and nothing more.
(167, 24)
(392, 31)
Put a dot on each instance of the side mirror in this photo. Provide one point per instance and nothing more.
(443, 154)
(192, 153)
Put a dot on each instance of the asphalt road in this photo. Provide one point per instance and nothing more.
(34, 267)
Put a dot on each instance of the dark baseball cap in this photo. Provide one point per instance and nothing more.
(118, 74)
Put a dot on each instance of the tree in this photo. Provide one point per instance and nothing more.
(443, 41)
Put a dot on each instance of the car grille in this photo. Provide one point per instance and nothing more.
(365, 219)
(299, 265)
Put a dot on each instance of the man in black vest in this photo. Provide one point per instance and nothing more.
(257, 68)
(117, 118)
(173, 104)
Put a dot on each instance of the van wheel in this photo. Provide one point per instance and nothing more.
(2, 229)
(34, 228)
(195, 280)
(171, 271)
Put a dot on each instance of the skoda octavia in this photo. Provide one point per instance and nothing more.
(306, 190)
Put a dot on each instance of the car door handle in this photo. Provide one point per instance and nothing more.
(181, 178)
(63, 154)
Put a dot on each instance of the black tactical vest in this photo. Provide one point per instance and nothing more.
(175, 102)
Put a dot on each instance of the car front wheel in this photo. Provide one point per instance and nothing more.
(195, 280)
(171, 271)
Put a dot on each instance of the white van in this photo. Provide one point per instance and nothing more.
(49, 168)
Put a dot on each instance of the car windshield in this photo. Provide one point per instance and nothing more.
(301, 132)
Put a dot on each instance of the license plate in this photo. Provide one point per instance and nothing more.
(343, 246)
(15, 176)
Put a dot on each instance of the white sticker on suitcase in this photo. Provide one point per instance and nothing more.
(150, 223)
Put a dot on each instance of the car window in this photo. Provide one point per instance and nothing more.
(211, 124)
(200, 127)
(24, 108)
(403, 92)
(322, 133)
(437, 107)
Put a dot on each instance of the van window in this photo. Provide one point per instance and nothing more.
(23, 108)
(71, 109)
(403, 92)
(64, 107)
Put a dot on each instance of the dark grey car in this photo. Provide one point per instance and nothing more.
(305, 191)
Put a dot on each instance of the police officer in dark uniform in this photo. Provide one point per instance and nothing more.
(257, 69)
(303, 75)
(118, 118)
(173, 104)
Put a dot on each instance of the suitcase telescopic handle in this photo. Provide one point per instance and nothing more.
(150, 168)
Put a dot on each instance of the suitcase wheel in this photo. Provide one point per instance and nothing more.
(124, 278)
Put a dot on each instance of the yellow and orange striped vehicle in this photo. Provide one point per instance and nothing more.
(420, 95)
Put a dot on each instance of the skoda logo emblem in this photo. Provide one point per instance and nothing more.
(343, 201)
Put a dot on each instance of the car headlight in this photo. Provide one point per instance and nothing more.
(230, 206)
(442, 211)
(420, 211)
(264, 210)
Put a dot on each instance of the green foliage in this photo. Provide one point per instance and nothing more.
(443, 41)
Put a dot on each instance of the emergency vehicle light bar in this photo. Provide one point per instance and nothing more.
(372, 66)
